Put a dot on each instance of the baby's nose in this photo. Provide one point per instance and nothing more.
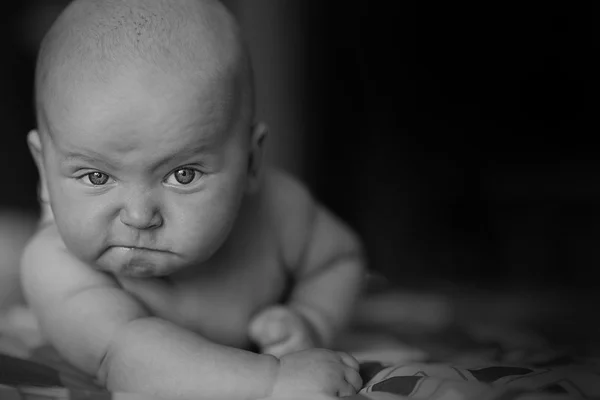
(141, 212)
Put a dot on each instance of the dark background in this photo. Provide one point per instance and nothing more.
(468, 139)
(457, 140)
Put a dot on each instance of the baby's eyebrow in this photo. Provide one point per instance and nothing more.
(204, 148)
(93, 158)
(187, 152)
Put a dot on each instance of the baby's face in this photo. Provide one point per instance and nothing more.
(145, 175)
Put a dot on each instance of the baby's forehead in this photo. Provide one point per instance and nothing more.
(136, 103)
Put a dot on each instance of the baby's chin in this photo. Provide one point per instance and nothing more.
(138, 271)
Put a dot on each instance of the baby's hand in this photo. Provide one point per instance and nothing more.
(279, 330)
(317, 371)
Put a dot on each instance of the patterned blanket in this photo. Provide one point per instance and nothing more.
(411, 346)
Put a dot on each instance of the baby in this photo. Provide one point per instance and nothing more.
(166, 249)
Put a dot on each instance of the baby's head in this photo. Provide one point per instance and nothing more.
(146, 142)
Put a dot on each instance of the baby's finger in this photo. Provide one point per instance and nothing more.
(353, 378)
(349, 360)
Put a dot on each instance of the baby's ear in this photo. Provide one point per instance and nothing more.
(255, 160)
(35, 147)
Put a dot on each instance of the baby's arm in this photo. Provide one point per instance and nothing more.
(326, 260)
(330, 276)
(104, 331)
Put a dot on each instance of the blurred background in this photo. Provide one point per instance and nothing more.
(457, 140)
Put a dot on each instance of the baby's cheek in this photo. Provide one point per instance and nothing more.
(202, 229)
(81, 232)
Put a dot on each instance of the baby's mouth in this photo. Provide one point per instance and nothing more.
(138, 249)
(141, 248)
(137, 261)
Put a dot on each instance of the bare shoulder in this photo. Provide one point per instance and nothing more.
(79, 309)
(287, 192)
(47, 268)
(292, 209)
(308, 230)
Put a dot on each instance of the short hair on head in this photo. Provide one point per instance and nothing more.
(191, 37)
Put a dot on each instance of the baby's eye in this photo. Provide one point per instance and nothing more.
(184, 176)
(97, 178)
